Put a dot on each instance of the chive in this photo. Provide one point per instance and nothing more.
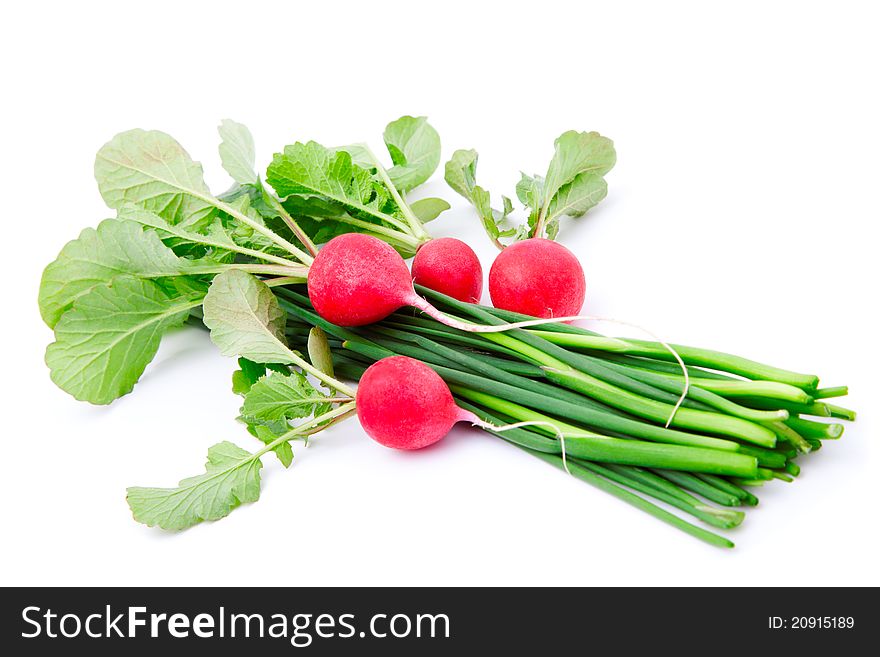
(701, 393)
(350, 370)
(583, 472)
(818, 409)
(560, 371)
(723, 484)
(516, 367)
(579, 444)
(692, 483)
(686, 418)
(747, 482)
(637, 478)
(841, 412)
(701, 357)
(545, 353)
(741, 388)
(765, 474)
(722, 518)
(766, 389)
(369, 349)
(793, 469)
(486, 368)
(786, 450)
(816, 430)
(660, 366)
(541, 401)
(789, 435)
(825, 393)
(498, 365)
(581, 413)
(694, 356)
(766, 458)
(452, 335)
(649, 478)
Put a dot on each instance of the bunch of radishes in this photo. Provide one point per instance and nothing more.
(357, 280)
(628, 416)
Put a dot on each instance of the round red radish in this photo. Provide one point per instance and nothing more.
(537, 277)
(357, 279)
(449, 266)
(404, 404)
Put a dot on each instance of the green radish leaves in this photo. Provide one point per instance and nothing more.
(271, 402)
(575, 179)
(309, 169)
(96, 257)
(577, 153)
(283, 397)
(245, 318)
(319, 350)
(428, 209)
(414, 147)
(574, 199)
(573, 184)
(237, 152)
(110, 296)
(461, 175)
(231, 478)
(332, 191)
(250, 372)
(151, 170)
(103, 344)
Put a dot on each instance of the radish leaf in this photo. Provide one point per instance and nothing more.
(576, 197)
(574, 183)
(231, 478)
(245, 318)
(461, 172)
(103, 344)
(96, 257)
(310, 169)
(319, 350)
(414, 147)
(577, 153)
(237, 152)
(268, 434)
(151, 170)
(283, 397)
(251, 372)
(428, 209)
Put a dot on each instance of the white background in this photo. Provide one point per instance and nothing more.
(742, 215)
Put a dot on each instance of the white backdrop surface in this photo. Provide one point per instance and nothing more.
(742, 215)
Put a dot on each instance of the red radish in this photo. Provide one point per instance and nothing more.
(357, 279)
(404, 404)
(449, 266)
(537, 277)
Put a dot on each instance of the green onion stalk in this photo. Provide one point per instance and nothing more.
(604, 408)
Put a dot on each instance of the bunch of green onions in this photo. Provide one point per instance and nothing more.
(610, 400)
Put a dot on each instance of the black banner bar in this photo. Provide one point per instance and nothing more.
(433, 621)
